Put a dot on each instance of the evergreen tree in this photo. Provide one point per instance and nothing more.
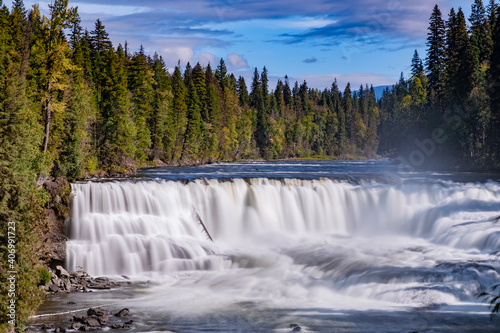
(460, 61)
(21, 200)
(178, 118)
(480, 33)
(494, 75)
(221, 74)
(160, 131)
(417, 67)
(117, 149)
(242, 92)
(100, 38)
(140, 84)
(492, 17)
(436, 53)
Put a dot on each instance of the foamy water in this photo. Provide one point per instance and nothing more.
(400, 255)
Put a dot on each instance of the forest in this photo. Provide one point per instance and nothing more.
(447, 114)
(74, 105)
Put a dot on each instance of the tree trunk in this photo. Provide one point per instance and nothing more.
(49, 119)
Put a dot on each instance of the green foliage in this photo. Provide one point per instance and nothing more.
(44, 277)
(436, 52)
(448, 117)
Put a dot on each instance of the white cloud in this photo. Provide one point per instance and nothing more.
(206, 58)
(173, 54)
(236, 61)
(309, 23)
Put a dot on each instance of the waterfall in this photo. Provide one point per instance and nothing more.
(151, 226)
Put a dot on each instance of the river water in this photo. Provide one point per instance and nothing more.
(333, 246)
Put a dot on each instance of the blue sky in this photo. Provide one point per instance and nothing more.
(361, 41)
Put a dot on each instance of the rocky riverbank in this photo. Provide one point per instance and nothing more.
(92, 319)
(63, 282)
(70, 313)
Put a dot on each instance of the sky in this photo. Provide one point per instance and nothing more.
(356, 41)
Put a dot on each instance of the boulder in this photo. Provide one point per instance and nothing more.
(77, 326)
(54, 288)
(91, 322)
(61, 272)
(103, 319)
(95, 312)
(123, 313)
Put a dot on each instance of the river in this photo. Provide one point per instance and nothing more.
(333, 246)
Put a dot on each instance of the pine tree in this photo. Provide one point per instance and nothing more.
(100, 38)
(242, 92)
(287, 94)
(492, 17)
(461, 64)
(417, 67)
(194, 136)
(257, 102)
(221, 74)
(140, 84)
(493, 136)
(480, 33)
(178, 118)
(436, 53)
(117, 149)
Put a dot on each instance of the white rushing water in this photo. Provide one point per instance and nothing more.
(302, 245)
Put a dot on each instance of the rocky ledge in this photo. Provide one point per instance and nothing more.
(63, 282)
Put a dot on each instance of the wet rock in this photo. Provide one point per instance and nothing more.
(103, 319)
(295, 327)
(62, 273)
(47, 327)
(129, 322)
(95, 312)
(60, 330)
(91, 322)
(53, 288)
(77, 326)
(120, 327)
(123, 313)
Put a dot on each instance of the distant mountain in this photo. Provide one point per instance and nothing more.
(379, 91)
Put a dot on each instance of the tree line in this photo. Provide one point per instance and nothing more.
(447, 114)
(96, 108)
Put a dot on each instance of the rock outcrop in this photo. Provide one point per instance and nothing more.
(57, 212)
(63, 282)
